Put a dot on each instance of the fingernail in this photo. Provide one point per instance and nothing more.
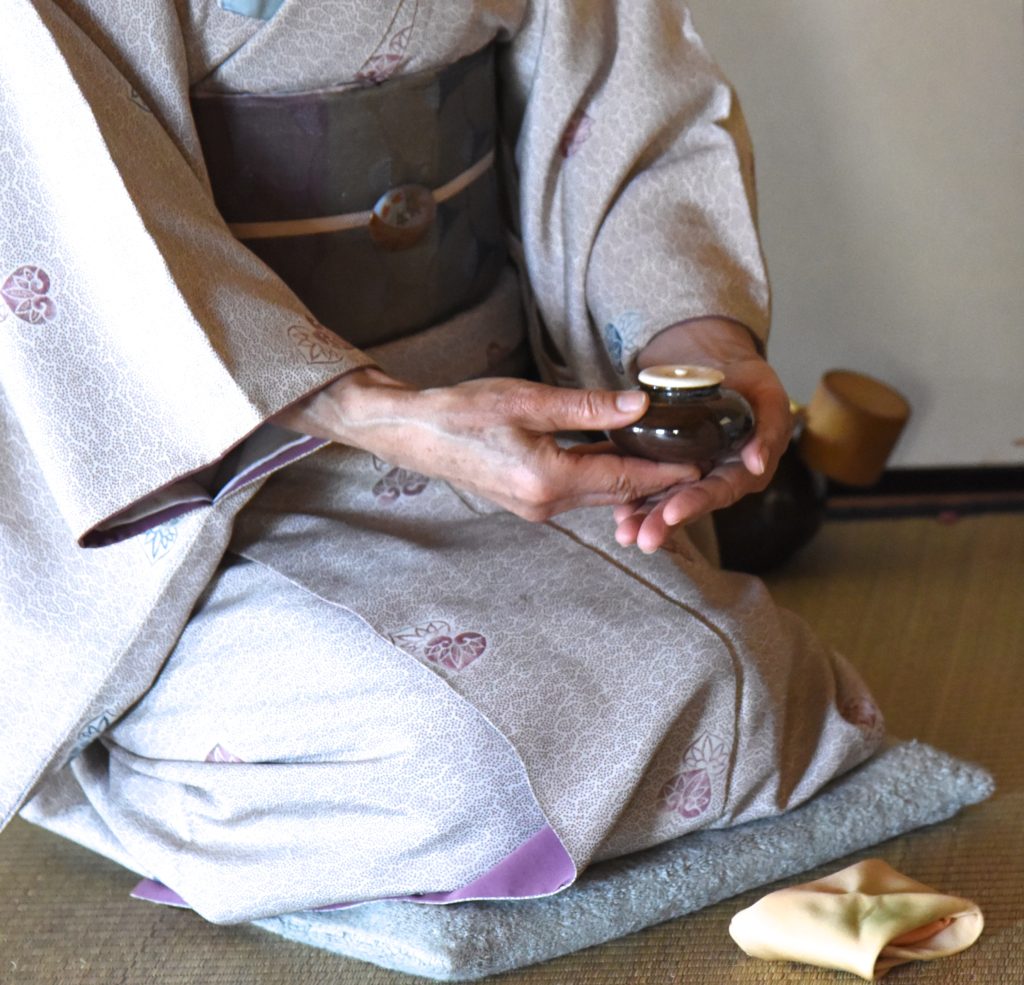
(759, 463)
(629, 401)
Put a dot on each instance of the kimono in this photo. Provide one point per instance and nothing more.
(272, 674)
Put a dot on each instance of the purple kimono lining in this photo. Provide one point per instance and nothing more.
(280, 457)
(539, 867)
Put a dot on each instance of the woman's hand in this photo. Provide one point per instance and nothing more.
(730, 348)
(493, 437)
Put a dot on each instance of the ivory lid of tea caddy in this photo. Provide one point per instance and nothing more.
(676, 377)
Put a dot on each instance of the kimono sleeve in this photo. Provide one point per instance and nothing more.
(142, 348)
(635, 174)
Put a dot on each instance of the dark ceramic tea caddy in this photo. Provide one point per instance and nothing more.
(691, 418)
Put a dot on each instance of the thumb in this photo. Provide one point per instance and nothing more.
(545, 408)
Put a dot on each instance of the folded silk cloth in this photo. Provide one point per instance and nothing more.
(867, 918)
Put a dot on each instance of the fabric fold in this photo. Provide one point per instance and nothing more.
(866, 919)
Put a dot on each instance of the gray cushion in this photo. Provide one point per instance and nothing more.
(904, 787)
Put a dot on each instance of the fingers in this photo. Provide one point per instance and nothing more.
(548, 409)
(552, 480)
(770, 404)
(602, 479)
(627, 528)
(762, 453)
(648, 515)
(653, 531)
(720, 488)
(646, 528)
(647, 523)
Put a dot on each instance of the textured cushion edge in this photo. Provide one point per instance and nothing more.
(906, 786)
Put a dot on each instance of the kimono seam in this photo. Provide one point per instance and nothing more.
(719, 633)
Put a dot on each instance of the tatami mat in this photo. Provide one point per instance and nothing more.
(932, 613)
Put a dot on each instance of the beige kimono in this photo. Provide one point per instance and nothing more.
(387, 687)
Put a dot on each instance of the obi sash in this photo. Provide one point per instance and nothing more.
(378, 205)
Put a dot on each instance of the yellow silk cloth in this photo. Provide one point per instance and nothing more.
(867, 919)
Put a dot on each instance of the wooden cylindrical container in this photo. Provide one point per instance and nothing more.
(853, 423)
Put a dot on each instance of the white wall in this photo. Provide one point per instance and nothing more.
(889, 137)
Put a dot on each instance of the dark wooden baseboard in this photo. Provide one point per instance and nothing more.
(943, 492)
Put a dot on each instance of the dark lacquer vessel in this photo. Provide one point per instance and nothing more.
(765, 529)
(691, 418)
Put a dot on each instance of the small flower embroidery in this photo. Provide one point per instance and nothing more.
(379, 68)
(218, 754)
(688, 794)
(613, 343)
(388, 56)
(621, 337)
(576, 132)
(455, 652)
(710, 752)
(318, 344)
(690, 791)
(862, 712)
(399, 482)
(92, 730)
(25, 292)
(435, 641)
(157, 541)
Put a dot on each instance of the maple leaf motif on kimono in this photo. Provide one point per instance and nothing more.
(390, 53)
(710, 752)
(399, 482)
(157, 541)
(317, 343)
(92, 730)
(26, 293)
(435, 641)
(455, 652)
(688, 794)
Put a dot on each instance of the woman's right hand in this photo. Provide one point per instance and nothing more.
(494, 437)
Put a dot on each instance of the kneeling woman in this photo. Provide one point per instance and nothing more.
(339, 245)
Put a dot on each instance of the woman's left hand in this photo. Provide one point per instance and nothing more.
(730, 348)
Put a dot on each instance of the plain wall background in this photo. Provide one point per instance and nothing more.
(889, 140)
